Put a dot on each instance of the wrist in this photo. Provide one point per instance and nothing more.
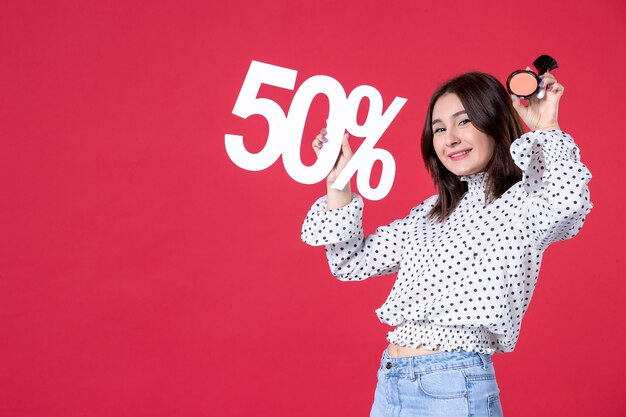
(338, 198)
(346, 191)
(330, 183)
(552, 126)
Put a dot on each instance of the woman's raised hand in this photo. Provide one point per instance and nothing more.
(335, 198)
(541, 114)
(344, 154)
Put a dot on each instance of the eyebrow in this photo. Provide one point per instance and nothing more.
(452, 117)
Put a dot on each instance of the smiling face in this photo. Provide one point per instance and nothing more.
(461, 148)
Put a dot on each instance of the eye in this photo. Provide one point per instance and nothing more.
(438, 130)
(464, 122)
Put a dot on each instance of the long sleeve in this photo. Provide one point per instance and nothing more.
(351, 256)
(556, 181)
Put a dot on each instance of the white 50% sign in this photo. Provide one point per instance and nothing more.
(285, 131)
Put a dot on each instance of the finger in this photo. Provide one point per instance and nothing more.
(556, 88)
(316, 147)
(317, 142)
(547, 81)
(345, 146)
(517, 103)
(545, 85)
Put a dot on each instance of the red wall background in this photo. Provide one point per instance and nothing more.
(142, 273)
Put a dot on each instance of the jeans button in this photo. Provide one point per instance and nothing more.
(389, 365)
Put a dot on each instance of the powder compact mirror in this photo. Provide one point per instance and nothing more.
(525, 83)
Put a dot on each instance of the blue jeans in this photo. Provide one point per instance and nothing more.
(442, 384)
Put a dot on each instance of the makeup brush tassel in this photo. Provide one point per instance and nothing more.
(545, 63)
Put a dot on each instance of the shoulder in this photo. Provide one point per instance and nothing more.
(422, 209)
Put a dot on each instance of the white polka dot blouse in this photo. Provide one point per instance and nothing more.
(466, 283)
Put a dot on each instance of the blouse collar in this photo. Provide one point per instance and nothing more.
(476, 183)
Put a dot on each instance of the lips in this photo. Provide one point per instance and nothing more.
(457, 155)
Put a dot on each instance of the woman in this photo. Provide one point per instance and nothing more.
(468, 257)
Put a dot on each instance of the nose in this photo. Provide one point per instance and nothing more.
(451, 138)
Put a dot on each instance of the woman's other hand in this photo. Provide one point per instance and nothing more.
(345, 154)
(541, 114)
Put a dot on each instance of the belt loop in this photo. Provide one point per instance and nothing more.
(411, 372)
(382, 359)
(483, 358)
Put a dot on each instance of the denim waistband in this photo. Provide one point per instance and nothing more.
(430, 362)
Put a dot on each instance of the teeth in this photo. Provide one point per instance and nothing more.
(458, 154)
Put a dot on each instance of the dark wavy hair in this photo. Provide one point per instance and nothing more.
(489, 107)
